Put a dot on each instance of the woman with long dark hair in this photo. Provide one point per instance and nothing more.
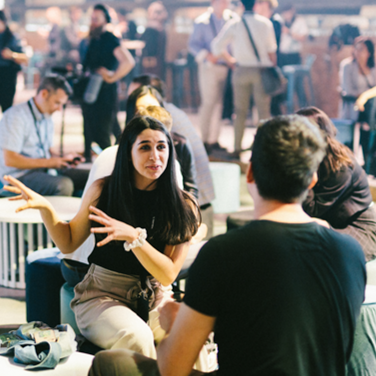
(11, 56)
(357, 74)
(341, 196)
(142, 223)
(147, 96)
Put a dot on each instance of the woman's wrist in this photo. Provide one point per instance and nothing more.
(134, 236)
(138, 241)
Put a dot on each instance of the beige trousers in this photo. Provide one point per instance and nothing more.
(105, 304)
(246, 81)
(212, 81)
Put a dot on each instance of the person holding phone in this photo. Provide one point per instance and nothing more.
(26, 138)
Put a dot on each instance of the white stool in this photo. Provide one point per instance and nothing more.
(26, 226)
(371, 272)
(77, 364)
(226, 181)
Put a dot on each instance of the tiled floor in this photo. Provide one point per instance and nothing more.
(12, 302)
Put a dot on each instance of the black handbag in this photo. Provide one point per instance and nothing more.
(273, 80)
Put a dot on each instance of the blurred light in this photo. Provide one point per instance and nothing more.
(140, 28)
(2, 4)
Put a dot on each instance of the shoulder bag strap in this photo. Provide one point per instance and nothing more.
(365, 77)
(214, 29)
(251, 39)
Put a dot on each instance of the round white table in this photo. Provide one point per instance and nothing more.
(23, 233)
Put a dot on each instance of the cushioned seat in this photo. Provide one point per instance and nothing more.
(66, 313)
(43, 283)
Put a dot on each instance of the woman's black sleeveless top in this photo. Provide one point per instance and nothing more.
(112, 256)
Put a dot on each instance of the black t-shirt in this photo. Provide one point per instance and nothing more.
(8, 40)
(100, 52)
(341, 197)
(112, 256)
(285, 296)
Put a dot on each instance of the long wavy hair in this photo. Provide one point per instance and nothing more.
(131, 108)
(370, 47)
(337, 154)
(177, 219)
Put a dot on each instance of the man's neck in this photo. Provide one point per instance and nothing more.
(277, 211)
(38, 104)
(218, 14)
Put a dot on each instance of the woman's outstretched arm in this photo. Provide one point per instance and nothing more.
(67, 236)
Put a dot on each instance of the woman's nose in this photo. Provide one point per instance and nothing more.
(154, 154)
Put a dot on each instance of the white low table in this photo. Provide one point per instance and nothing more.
(23, 233)
(78, 364)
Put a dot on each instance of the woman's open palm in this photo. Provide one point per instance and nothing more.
(115, 230)
(33, 199)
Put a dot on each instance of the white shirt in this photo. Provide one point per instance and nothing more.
(234, 32)
(288, 43)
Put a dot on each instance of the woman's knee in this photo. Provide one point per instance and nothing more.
(122, 363)
(140, 340)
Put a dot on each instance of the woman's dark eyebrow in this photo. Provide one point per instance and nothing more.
(148, 141)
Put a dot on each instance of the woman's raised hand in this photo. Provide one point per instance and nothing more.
(115, 229)
(33, 199)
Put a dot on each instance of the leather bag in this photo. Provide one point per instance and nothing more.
(273, 80)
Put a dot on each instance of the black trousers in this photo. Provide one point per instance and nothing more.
(8, 81)
(99, 118)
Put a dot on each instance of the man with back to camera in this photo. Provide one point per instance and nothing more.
(246, 78)
(26, 138)
(282, 293)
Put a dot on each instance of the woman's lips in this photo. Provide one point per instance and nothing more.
(154, 167)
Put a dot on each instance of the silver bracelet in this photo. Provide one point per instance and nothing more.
(139, 242)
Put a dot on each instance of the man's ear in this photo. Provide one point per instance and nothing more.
(250, 178)
(314, 181)
(44, 93)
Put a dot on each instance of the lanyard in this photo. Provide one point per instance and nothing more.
(41, 145)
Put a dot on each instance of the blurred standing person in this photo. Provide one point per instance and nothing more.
(127, 28)
(247, 73)
(212, 70)
(11, 57)
(55, 54)
(153, 54)
(106, 57)
(267, 9)
(294, 33)
(357, 74)
(70, 37)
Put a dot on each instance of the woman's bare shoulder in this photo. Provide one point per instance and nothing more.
(93, 192)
